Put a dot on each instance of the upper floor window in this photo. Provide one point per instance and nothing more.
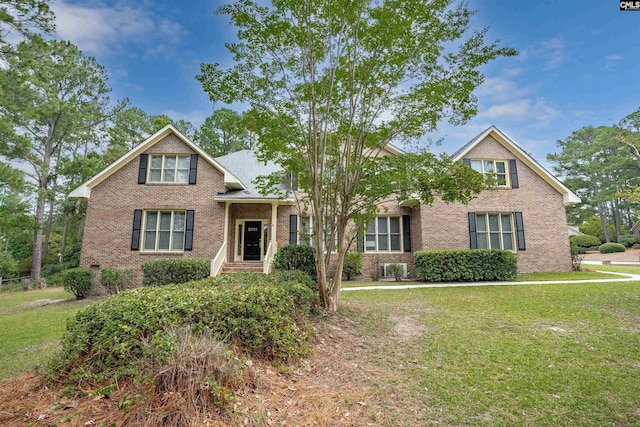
(164, 230)
(169, 168)
(384, 235)
(498, 168)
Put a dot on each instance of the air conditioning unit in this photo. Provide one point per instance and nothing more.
(387, 273)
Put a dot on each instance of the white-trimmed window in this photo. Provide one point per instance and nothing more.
(169, 168)
(384, 234)
(498, 168)
(164, 231)
(495, 231)
(306, 230)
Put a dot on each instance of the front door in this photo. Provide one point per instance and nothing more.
(252, 232)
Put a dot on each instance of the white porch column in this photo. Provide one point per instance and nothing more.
(274, 222)
(227, 205)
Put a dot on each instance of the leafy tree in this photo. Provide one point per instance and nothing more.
(130, 126)
(224, 132)
(185, 127)
(46, 106)
(23, 17)
(333, 83)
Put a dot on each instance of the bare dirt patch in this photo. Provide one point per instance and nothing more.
(407, 327)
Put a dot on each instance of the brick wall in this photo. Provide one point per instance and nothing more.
(109, 220)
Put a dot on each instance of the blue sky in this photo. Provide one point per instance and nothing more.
(579, 62)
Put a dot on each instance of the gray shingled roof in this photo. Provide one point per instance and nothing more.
(244, 165)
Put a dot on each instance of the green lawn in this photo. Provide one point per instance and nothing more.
(31, 324)
(554, 355)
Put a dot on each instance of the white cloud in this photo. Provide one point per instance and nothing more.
(614, 57)
(101, 29)
(552, 51)
(611, 61)
(501, 89)
(525, 110)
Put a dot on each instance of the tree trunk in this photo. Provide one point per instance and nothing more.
(616, 217)
(63, 244)
(629, 221)
(47, 232)
(36, 264)
(603, 222)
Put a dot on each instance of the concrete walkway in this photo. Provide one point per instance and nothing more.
(626, 277)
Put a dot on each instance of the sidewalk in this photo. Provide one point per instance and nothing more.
(626, 277)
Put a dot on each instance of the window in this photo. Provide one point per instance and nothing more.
(164, 231)
(495, 231)
(167, 168)
(384, 235)
(496, 167)
(307, 235)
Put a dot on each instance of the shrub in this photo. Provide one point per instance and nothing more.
(585, 241)
(396, 271)
(164, 271)
(8, 265)
(77, 281)
(115, 279)
(636, 246)
(296, 257)
(609, 248)
(576, 255)
(376, 272)
(627, 240)
(352, 264)
(123, 334)
(465, 265)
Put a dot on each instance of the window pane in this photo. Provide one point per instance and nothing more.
(239, 251)
(482, 241)
(476, 165)
(506, 222)
(169, 176)
(383, 244)
(395, 242)
(493, 223)
(481, 223)
(156, 162)
(165, 221)
(184, 162)
(500, 167)
(183, 176)
(155, 175)
(163, 240)
(178, 221)
(150, 240)
(382, 225)
(501, 179)
(372, 227)
(394, 225)
(178, 241)
(170, 162)
(495, 240)
(488, 166)
(507, 241)
(152, 220)
(371, 242)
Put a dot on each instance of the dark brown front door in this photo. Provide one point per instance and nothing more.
(252, 232)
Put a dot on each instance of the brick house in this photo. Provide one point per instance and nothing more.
(167, 197)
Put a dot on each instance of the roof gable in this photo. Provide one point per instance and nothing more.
(84, 190)
(568, 196)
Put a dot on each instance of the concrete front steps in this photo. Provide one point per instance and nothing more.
(241, 267)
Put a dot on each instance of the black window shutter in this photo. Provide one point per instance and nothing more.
(467, 161)
(142, 170)
(137, 225)
(473, 236)
(360, 242)
(406, 231)
(193, 169)
(513, 173)
(293, 229)
(188, 231)
(520, 232)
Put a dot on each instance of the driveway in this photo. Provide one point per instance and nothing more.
(631, 255)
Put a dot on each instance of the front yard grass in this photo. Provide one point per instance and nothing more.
(31, 325)
(514, 355)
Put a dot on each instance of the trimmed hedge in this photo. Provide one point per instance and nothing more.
(164, 271)
(585, 241)
(77, 281)
(465, 265)
(627, 240)
(116, 279)
(296, 257)
(263, 315)
(609, 248)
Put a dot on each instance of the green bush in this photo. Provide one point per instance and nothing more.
(576, 255)
(465, 265)
(164, 271)
(585, 241)
(121, 335)
(627, 240)
(77, 281)
(396, 271)
(352, 264)
(609, 248)
(115, 279)
(636, 246)
(296, 257)
(8, 265)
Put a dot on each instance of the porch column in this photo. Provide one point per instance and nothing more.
(274, 222)
(227, 205)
